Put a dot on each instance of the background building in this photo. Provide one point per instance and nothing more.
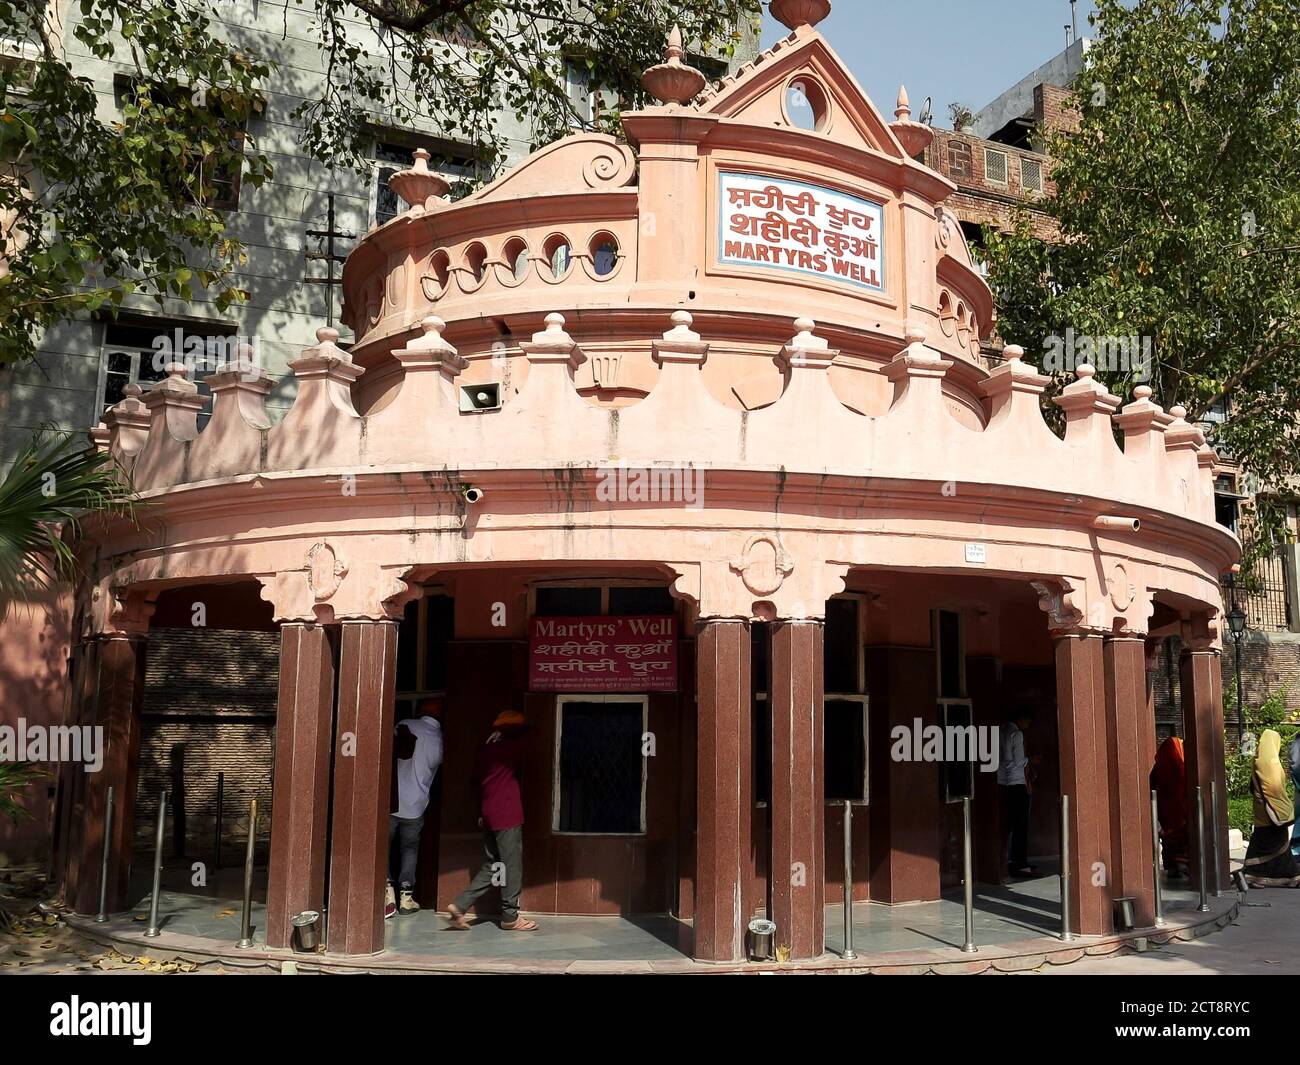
(208, 716)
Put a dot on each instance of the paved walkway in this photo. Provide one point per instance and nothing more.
(1264, 940)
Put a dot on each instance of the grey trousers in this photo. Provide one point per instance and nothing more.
(505, 865)
(407, 831)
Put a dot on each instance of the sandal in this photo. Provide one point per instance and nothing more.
(456, 920)
(519, 924)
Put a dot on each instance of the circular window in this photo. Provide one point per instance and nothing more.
(440, 264)
(476, 261)
(806, 105)
(945, 313)
(516, 255)
(962, 324)
(604, 254)
(559, 255)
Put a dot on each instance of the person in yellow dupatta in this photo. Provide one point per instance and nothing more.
(1269, 862)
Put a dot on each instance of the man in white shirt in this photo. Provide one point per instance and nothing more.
(1013, 777)
(417, 755)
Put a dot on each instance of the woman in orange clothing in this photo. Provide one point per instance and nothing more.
(1169, 781)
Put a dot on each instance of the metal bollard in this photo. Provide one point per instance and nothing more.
(968, 875)
(1066, 935)
(848, 882)
(1214, 828)
(1155, 861)
(221, 806)
(102, 915)
(246, 927)
(1204, 905)
(152, 930)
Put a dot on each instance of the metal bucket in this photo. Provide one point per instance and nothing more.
(760, 934)
(306, 932)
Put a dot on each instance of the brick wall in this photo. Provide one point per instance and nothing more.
(1055, 108)
(209, 708)
(1270, 663)
(963, 158)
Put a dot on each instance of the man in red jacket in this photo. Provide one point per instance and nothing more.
(497, 769)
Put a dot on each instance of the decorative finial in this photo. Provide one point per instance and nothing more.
(555, 322)
(1013, 353)
(672, 81)
(913, 333)
(327, 334)
(915, 137)
(418, 184)
(1178, 411)
(794, 14)
(1085, 370)
(903, 109)
(1142, 392)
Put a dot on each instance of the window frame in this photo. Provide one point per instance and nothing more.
(164, 327)
(561, 700)
(1026, 161)
(944, 702)
(421, 690)
(989, 153)
(863, 698)
(604, 584)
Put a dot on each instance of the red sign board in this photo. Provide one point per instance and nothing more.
(602, 654)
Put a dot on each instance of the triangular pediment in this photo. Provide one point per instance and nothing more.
(758, 93)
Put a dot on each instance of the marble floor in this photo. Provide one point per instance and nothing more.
(1018, 911)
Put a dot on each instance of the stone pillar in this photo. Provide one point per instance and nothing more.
(116, 685)
(363, 761)
(724, 796)
(300, 807)
(1130, 758)
(1202, 694)
(1081, 717)
(798, 805)
(905, 809)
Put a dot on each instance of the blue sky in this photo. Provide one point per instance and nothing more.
(964, 50)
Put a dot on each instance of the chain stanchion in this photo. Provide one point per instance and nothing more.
(1204, 905)
(246, 927)
(102, 915)
(848, 882)
(1155, 861)
(1214, 829)
(968, 876)
(1066, 934)
(152, 930)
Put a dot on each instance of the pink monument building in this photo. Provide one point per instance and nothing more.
(683, 447)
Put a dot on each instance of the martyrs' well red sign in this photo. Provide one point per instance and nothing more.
(602, 654)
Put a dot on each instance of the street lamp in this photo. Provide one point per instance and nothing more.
(1237, 626)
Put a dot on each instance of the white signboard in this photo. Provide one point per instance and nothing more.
(788, 225)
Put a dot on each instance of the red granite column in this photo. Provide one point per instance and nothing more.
(118, 685)
(724, 799)
(300, 806)
(1081, 716)
(1203, 747)
(363, 762)
(1130, 769)
(798, 806)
